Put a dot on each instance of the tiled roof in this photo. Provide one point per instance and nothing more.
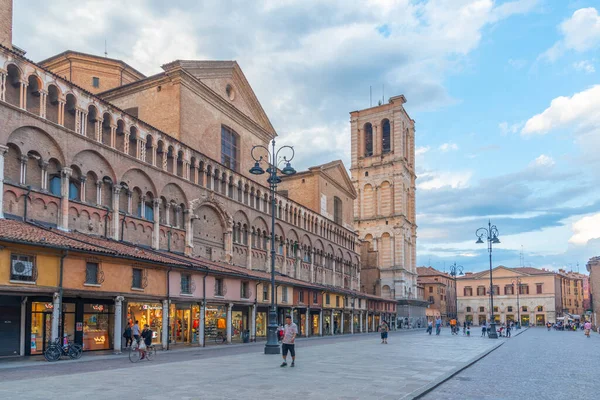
(429, 280)
(531, 271)
(430, 271)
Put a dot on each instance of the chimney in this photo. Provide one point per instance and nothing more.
(6, 21)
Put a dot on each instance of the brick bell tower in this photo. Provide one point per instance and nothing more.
(6, 21)
(383, 174)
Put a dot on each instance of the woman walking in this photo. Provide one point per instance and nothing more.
(384, 328)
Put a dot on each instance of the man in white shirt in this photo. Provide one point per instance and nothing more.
(136, 332)
(290, 330)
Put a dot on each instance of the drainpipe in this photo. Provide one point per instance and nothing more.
(25, 208)
(203, 316)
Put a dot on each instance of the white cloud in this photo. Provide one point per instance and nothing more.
(448, 147)
(580, 110)
(581, 32)
(438, 180)
(543, 161)
(585, 229)
(422, 150)
(506, 128)
(585, 66)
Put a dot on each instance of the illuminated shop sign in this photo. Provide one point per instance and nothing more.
(98, 307)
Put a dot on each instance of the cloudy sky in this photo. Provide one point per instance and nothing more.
(505, 95)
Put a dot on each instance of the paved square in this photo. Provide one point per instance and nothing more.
(356, 368)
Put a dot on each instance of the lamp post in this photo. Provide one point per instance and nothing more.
(456, 270)
(272, 346)
(490, 234)
(517, 282)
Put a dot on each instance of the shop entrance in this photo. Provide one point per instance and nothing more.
(525, 320)
(10, 327)
(180, 325)
(239, 322)
(540, 319)
(41, 325)
(482, 319)
(315, 324)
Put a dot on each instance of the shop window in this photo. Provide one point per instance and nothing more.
(138, 279)
(245, 290)
(481, 309)
(315, 297)
(186, 284)
(284, 295)
(327, 300)
(23, 268)
(538, 289)
(93, 274)
(265, 293)
(219, 287)
(301, 296)
(468, 309)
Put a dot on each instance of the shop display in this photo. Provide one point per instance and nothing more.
(147, 313)
(97, 327)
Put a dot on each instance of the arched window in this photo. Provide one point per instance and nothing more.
(368, 132)
(149, 207)
(55, 185)
(386, 144)
(337, 210)
(230, 143)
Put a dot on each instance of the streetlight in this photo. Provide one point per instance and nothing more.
(490, 234)
(272, 346)
(517, 282)
(454, 271)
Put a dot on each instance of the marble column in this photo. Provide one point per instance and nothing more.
(56, 300)
(189, 233)
(156, 231)
(360, 321)
(202, 324)
(321, 322)
(307, 322)
(99, 192)
(229, 307)
(23, 168)
(342, 323)
(332, 324)
(165, 324)
(253, 322)
(117, 332)
(3, 151)
(2, 85)
(126, 143)
(115, 211)
(64, 193)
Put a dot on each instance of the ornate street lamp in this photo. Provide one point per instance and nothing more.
(490, 234)
(517, 282)
(456, 270)
(272, 346)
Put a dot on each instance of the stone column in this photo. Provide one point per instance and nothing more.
(165, 324)
(228, 239)
(342, 323)
(178, 216)
(189, 232)
(154, 154)
(77, 121)
(84, 116)
(117, 324)
(43, 96)
(82, 181)
(23, 96)
(3, 85)
(113, 136)
(332, 325)
(333, 263)
(175, 157)
(126, 143)
(64, 193)
(202, 323)
(115, 216)
(44, 166)
(312, 266)
(229, 307)
(253, 321)
(352, 322)
(61, 112)
(98, 128)
(307, 321)
(373, 323)
(99, 191)
(167, 213)
(156, 231)
(129, 205)
(3, 151)
(56, 300)
(143, 206)
(321, 322)
(24, 158)
(360, 321)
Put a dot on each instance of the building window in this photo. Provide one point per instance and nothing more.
(509, 309)
(495, 309)
(301, 296)
(327, 300)
(337, 210)
(538, 289)
(315, 297)
(219, 287)
(524, 308)
(265, 293)
(524, 289)
(430, 289)
(245, 292)
(284, 296)
(481, 309)
(186, 280)
(481, 291)
(23, 268)
(468, 309)
(96, 82)
(386, 143)
(91, 273)
(55, 185)
(337, 301)
(468, 291)
(359, 303)
(431, 299)
(230, 142)
(136, 282)
(496, 290)
(509, 289)
(368, 132)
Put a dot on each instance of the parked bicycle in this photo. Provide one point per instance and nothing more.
(55, 350)
(135, 352)
(220, 338)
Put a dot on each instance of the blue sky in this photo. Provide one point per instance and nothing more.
(503, 94)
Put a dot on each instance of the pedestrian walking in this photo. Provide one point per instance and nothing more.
(290, 330)
(136, 331)
(128, 336)
(429, 327)
(483, 329)
(453, 326)
(586, 328)
(147, 336)
(384, 328)
(508, 329)
(438, 326)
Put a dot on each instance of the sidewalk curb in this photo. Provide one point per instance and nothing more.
(417, 394)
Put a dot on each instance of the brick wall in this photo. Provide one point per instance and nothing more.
(6, 19)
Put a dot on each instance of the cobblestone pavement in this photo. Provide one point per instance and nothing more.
(349, 367)
(535, 365)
